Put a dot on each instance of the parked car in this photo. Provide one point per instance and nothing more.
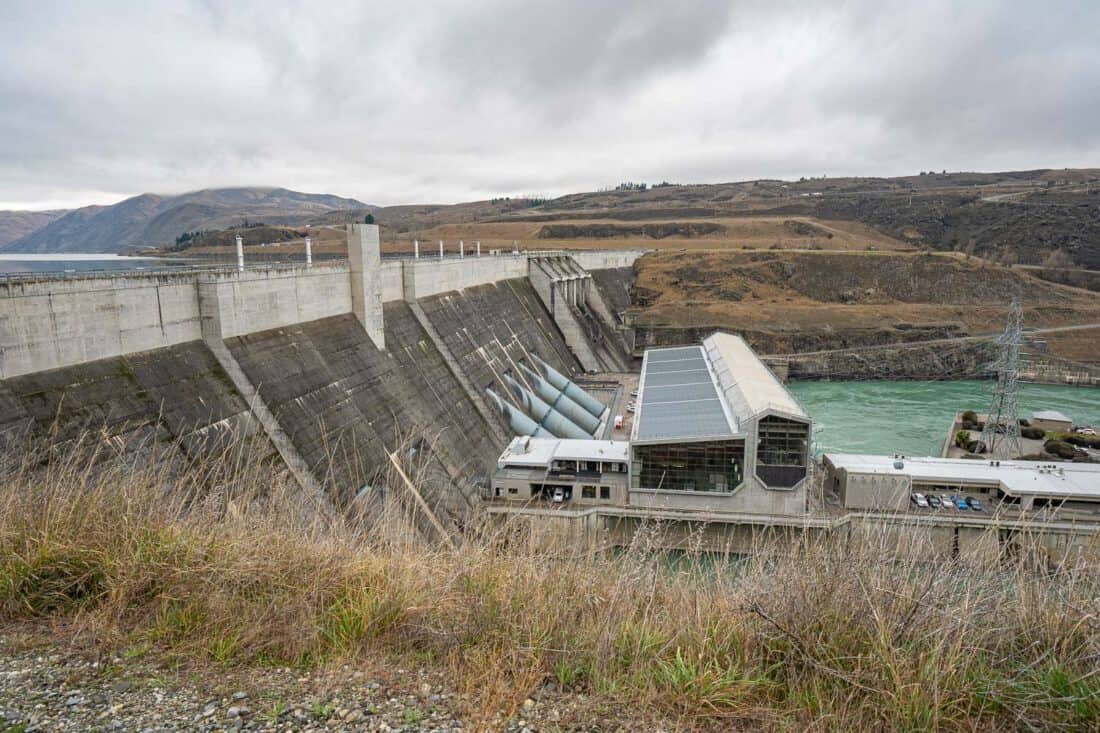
(934, 502)
(634, 393)
(1086, 431)
(960, 503)
(918, 499)
(974, 504)
(947, 503)
(559, 496)
(629, 408)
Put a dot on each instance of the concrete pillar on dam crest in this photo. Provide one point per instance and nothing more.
(365, 254)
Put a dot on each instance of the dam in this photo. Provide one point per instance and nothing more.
(338, 371)
(327, 368)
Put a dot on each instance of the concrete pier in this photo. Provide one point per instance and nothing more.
(365, 256)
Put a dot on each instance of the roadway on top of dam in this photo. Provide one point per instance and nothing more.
(161, 265)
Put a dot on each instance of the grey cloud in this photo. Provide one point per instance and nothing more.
(454, 100)
(575, 46)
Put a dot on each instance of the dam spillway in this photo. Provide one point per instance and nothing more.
(286, 355)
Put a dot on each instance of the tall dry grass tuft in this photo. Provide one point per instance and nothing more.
(223, 561)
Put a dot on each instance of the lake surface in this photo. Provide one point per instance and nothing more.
(913, 417)
(69, 262)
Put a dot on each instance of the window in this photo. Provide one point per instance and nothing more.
(781, 449)
(711, 466)
(588, 492)
(513, 490)
(605, 492)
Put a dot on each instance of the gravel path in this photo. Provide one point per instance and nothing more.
(58, 690)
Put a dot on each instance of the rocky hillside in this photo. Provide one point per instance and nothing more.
(1028, 230)
(804, 301)
(151, 220)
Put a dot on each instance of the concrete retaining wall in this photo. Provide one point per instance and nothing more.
(52, 323)
(393, 280)
(236, 303)
(1047, 369)
(428, 276)
(606, 259)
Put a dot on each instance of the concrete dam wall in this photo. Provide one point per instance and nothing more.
(328, 369)
(178, 397)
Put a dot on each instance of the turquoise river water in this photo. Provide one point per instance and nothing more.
(913, 417)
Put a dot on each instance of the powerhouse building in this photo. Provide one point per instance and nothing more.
(714, 430)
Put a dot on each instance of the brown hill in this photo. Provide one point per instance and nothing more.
(16, 224)
(1015, 216)
(152, 220)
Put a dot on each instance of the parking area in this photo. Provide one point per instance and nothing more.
(947, 501)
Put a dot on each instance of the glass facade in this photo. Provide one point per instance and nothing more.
(781, 450)
(711, 466)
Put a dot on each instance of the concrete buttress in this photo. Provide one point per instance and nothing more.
(365, 255)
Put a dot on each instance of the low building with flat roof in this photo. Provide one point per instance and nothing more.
(562, 470)
(1052, 421)
(874, 482)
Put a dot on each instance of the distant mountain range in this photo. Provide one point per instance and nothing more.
(151, 220)
(1034, 217)
(16, 224)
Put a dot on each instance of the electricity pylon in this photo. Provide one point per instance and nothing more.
(1002, 424)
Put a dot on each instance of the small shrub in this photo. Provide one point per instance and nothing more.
(1060, 448)
(1084, 441)
(969, 416)
(962, 438)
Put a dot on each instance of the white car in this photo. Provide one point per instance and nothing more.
(918, 499)
(559, 496)
(1086, 431)
(634, 393)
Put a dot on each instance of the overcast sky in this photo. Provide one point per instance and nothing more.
(400, 102)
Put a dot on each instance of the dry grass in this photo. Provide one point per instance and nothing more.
(742, 232)
(222, 564)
